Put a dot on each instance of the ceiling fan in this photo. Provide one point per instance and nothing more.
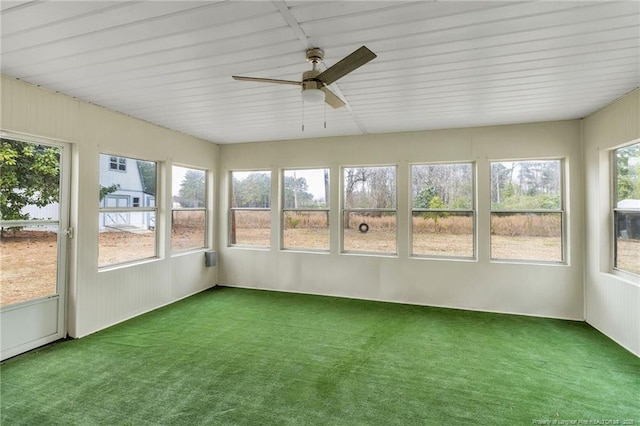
(314, 82)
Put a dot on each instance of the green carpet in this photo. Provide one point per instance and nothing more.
(246, 357)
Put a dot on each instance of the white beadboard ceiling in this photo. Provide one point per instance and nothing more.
(440, 64)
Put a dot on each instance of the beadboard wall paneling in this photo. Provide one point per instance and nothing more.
(612, 300)
(529, 289)
(100, 298)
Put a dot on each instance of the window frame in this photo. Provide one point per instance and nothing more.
(562, 211)
(205, 242)
(344, 210)
(284, 210)
(616, 210)
(117, 164)
(103, 210)
(472, 210)
(234, 209)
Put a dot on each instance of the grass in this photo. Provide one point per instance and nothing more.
(246, 357)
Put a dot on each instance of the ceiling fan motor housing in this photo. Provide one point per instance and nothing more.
(309, 80)
(315, 55)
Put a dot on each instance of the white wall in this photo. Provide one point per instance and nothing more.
(612, 300)
(531, 289)
(98, 299)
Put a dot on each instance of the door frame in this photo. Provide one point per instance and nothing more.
(57, 303)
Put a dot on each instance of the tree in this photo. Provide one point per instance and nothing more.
(436, 203)
(627, 172)
(192, 189)
(148, 176)
(296, 194)
(254, 191)
(370, 187)
(423, 199)
(526, 185)
(453, 183)
(355, 178)
(106, 190)
(29, 175)
(502, 183)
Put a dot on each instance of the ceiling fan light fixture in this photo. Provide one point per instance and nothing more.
(315, 83)
(312, 96)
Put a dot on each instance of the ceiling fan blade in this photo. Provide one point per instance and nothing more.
(331, 98)
(267, 80)
(346, 65)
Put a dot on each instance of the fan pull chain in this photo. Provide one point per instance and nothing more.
(303, 115)
(325, 115)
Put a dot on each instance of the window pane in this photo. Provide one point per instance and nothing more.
(370, 232)
(306, 189)
(137, 180)
(526, 236)
(443, 234)
(627, 177)
(251, 189)
(125, 237)
(251, 227)
(627, 201)
(526, 185)
(442, 186)
(628, 241)
(30, 181)
(370, 188)
(29, 263)
(189, 188)
(188, 229)
(306, 230)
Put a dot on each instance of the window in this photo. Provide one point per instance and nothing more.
(626, 208)
(250, 215)
(305, 213)
(118, 163)
(126, 226)
(189, 209)
(369, 213)
(527, 212)
(442, 210)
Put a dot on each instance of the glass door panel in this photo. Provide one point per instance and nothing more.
(33, 239)
(29, 263)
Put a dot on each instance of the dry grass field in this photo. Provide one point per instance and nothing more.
(27, 266)
(22, 278)
(28, 258)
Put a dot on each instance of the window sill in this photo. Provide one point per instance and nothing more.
(189, 251)
(137, 262)
(370, 254)
(528, 262)
(255, 248)
(626, 277)
(444, 258)
(305, 251)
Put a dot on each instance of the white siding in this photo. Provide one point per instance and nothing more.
(100, 299)
(612, 301)
(49, 212)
